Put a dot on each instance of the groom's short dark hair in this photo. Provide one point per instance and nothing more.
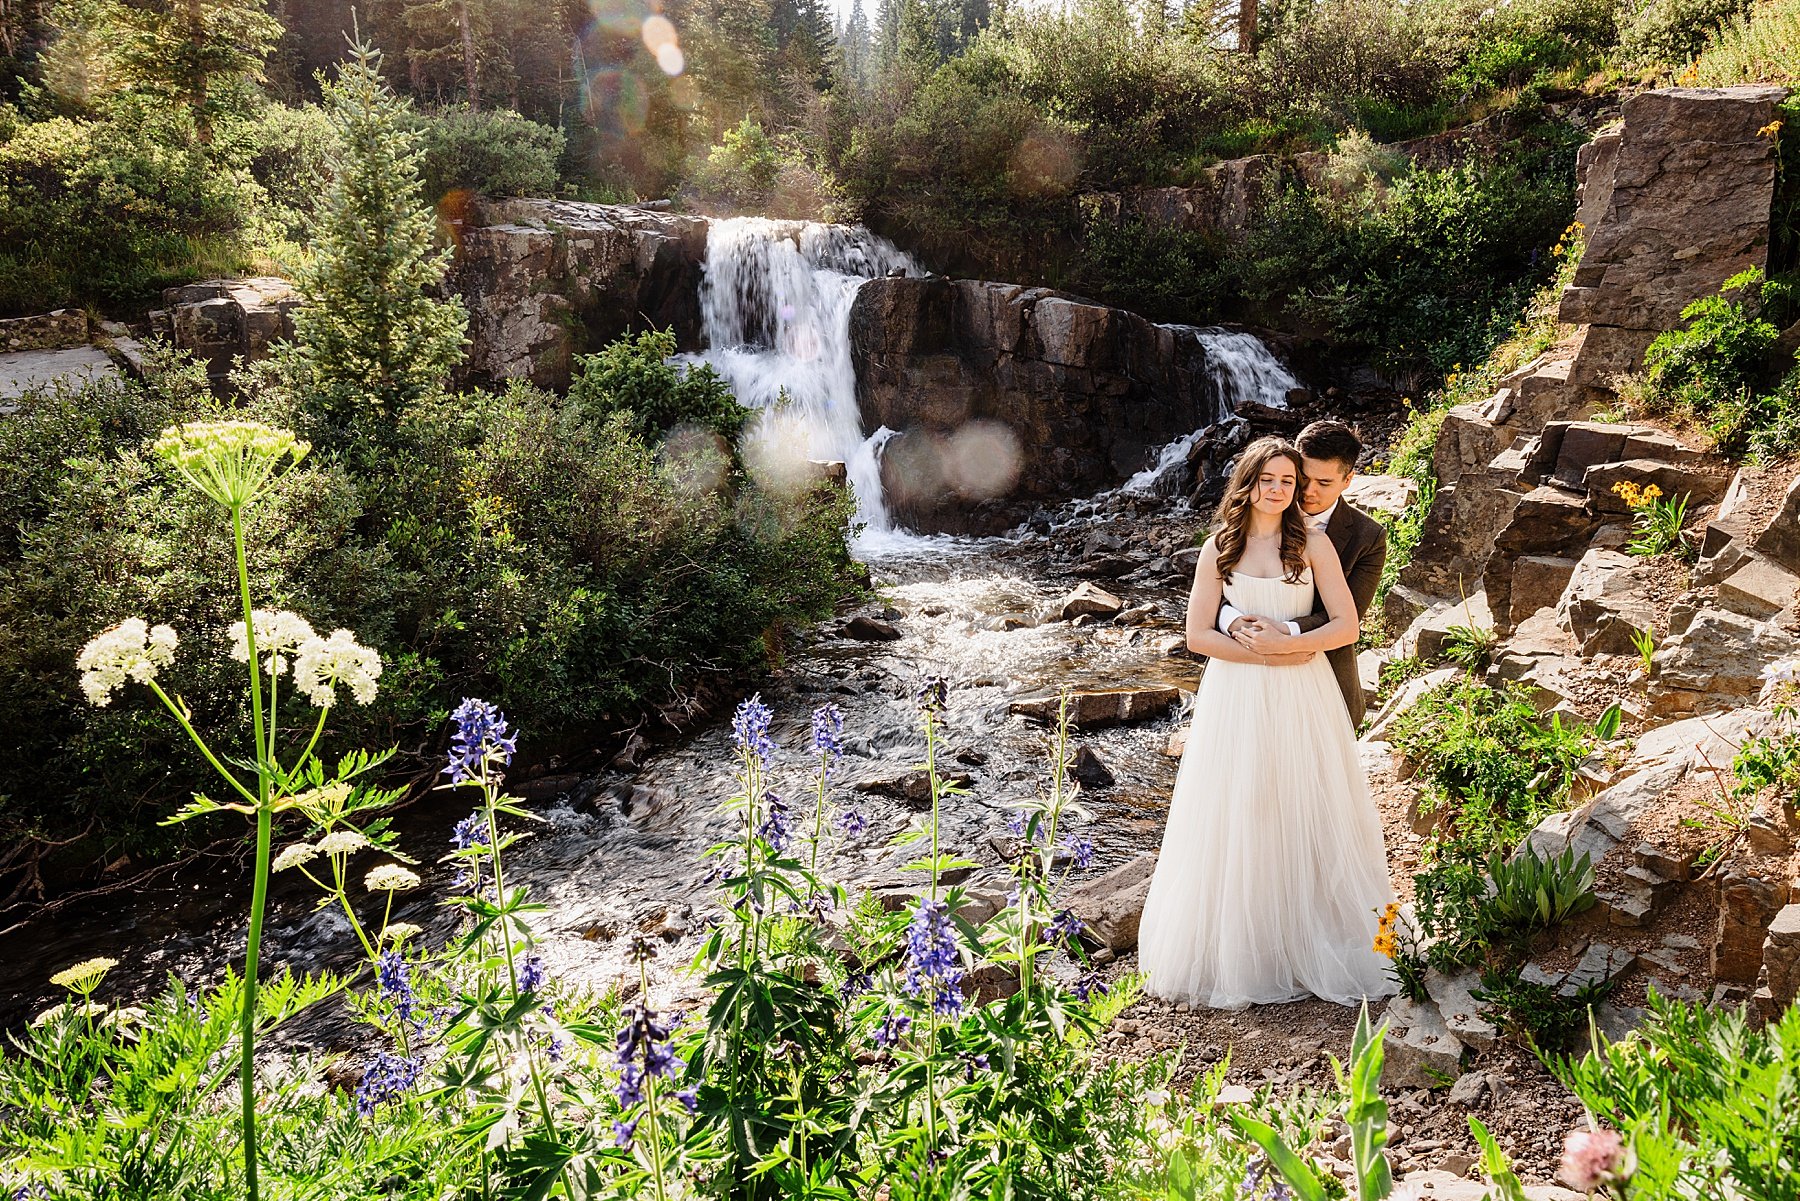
(1331, 440)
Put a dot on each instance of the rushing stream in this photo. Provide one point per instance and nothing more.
(619, 853)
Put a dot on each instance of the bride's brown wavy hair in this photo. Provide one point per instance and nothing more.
(1234, 509)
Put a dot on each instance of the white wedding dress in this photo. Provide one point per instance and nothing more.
(1272, 872)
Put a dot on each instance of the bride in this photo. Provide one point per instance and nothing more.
(1272, 869)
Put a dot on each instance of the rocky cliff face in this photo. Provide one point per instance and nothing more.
(1527, 537)
(1674, 201)
(1083, 393)
(546, 280)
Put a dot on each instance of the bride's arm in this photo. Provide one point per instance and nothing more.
(1340, 606)
(1203, 637)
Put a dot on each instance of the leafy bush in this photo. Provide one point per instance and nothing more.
(634, 379)
(1419, 275)
(1705, 1101)
(494, 152)
(1673, 32)
(1715, 369)
(1535, 1013)
(112, 210)
(1515, 44)
(520, 545)
(1759, 46)
(742, 167)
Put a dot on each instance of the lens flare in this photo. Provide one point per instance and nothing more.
(658, 32)
(670, 58)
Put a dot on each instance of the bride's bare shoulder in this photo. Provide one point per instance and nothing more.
(1319, 545)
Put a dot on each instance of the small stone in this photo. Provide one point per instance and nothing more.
(870, 629)
(1421, 1051)
(1468, 1090)
(1086, 766)
(1089, 599)
(1235, 1094)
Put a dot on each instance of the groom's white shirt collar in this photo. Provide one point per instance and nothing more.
(1319, 521)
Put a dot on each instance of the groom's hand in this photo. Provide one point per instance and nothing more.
(1265, 637)
(1240, 626)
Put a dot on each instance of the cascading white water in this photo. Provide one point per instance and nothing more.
(1242, 369)
(775, 302)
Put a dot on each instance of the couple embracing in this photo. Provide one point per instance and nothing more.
(1273, 873)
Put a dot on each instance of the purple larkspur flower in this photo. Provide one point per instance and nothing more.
(393, 974)
(690, 1100)
(531, 973)
(855, 984)
(828, 731)
(851, 822)
(892, 1026)
(1080, 848)
(1263, 1183)
(386, 1079)
(1015, 825)
(481, 736)
(644, 1052)
(1065, 927)
(750, 728)
(1090, 985)
(624, 1132)
(470, 832)
(931, 956)
(934, 694)
(775, 829)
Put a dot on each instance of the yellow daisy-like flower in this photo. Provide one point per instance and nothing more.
(85, 976)
(390, 877)
(1770, 130)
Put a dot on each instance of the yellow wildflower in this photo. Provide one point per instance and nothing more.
(1770, 130)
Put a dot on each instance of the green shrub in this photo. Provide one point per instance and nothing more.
(1538, 1014)
(1705, 1100)
(112, 210)
(1760, 46)
(1516, 44)
(742, 167)
(1716, 368)
(634, 379)
(1419, 274)
(521, 546)
(493, 152)
(1489, 759)
(1671, 33)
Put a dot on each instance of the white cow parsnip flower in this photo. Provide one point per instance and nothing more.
(130, 650)
(279, 634)
(321, 664)
(342, 842)
(390, 877)
(294, 855)
(230, 461)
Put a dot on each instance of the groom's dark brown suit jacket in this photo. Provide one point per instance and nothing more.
(1362, 548)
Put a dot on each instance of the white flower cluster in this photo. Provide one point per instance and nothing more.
(1780, 678)
(279, 634)
(295, 855)
(390, 877)
(321, 664)
(130, 650)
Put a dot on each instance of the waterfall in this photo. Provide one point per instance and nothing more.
(775, 302)
(1242, 369)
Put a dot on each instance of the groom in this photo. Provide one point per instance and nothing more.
(1328, 453)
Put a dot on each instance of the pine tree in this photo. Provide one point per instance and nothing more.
(859, 46)
(370, 332)
(197, 52)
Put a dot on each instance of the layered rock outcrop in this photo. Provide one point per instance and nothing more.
(545, 280)
(1675, 201)
(1086, 393)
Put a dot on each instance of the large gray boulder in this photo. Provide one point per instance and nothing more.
(1716, 663)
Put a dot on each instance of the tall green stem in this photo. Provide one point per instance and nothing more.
(260, 889)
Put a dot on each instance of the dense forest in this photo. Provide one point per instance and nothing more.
(147, 142)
